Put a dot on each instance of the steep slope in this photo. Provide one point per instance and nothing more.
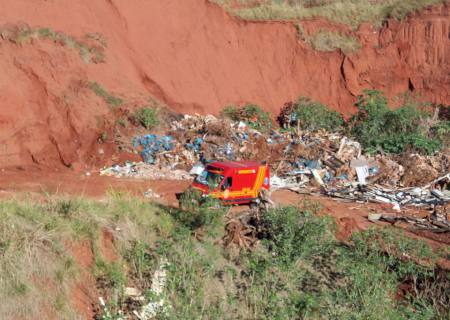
(196, 58)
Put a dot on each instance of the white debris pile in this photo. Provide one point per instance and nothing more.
(141, 170)
(151, 194)
(158, 305)
(430, 195)
(108, 314)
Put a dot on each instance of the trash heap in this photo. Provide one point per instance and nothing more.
(303, 161)
(433, 194)
(142, 170)
(437, 222)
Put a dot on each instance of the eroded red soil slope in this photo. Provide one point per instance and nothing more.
(196, 58)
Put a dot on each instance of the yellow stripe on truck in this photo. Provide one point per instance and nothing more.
(259, 180)
(246, 191)
(247, 171)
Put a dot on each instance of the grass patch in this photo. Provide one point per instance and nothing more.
(88, 53)
(325, 40)
(111, 100)
(299, 270)
(350, 12)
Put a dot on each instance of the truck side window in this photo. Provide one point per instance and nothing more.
(227, 183)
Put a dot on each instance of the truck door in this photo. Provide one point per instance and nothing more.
(227, 186)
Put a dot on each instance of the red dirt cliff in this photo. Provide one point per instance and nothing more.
(196, 58)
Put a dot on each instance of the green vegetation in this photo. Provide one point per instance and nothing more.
(105, 95)
(147, 117)
(312, 115)
(378, 127)
(88, 53)
(350, 12)
(325, 40)
(251, 114)
(298, 271)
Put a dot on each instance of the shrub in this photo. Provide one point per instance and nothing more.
(197, 211)
(231, 112)
(293, 234)
(148, 117)
(190, 199)
(378, 127)
(313, 115)
(441, 131)
(251, 114)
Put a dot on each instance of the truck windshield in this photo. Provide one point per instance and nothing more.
(210, 179)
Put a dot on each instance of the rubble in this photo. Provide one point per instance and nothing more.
(151, 194)
(157, 304)
(302, 161)
(240, 233)
(415, 196)
(436, 222)
(141, 170)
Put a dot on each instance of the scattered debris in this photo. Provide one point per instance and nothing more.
(240, 233)
(436, 222)
(141, 170)
(425, 196)
(151, 194)
(134, 293)
(158, 304)
(373, 217)
(107, 313)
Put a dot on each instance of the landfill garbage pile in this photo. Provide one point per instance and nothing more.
(142, 170)
(303, 161)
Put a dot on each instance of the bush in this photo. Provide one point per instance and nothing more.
(251, 114)
(148, 117)
(293, 234)
(378, 127)
(313, 116)
(198, 211)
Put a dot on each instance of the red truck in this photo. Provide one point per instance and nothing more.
(234, 182)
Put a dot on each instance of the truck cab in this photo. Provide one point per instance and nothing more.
(233, 182)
